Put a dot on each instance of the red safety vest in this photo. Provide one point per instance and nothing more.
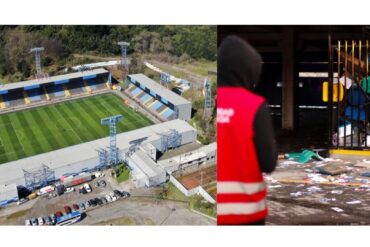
(241, 190)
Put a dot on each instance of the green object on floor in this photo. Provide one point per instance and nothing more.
(366, 84)
(304, 156)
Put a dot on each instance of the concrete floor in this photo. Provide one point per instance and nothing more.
(298, 195)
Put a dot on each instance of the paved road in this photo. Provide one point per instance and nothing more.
(145, 211)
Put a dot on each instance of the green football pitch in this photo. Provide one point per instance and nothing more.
(46, 128)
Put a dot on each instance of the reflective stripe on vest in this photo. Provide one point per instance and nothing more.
(240, 188)
(241, 208)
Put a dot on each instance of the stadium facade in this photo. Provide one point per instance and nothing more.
(135, 147)
(157, 99)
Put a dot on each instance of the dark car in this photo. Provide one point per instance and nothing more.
(92, 202)
(82, 190)
(98, 201)
(117, 193)
(75, 207)
(67, 209)
(58, 214)
(87, 204)
(125, 194)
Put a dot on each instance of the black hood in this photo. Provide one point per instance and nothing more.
(238, 64)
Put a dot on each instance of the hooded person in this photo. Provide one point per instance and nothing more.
(245, 138)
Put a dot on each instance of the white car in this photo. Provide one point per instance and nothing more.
(99, 174)
(114, 198)
(87, 188)
(70, 189)
(41, 221)
(27, 222)
(109, 199)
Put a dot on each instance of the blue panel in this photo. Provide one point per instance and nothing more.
(89, 77)
(157, 105)
(61, 82)
(145, 97)
(167, 113)
(31, 87)
(3, 91)
(164, 101)
(152, 93)
(136, 91)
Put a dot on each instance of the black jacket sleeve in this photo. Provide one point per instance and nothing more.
(264, 139)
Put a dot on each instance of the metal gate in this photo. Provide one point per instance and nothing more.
(348, 94)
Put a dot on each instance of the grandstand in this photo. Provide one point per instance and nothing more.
(19, 94)
(157, 99)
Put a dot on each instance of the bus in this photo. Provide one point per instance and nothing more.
(68, 219)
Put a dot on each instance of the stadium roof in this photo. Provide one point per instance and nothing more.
(85, 153)
(146, 164)
(16, 85)
(159, 89)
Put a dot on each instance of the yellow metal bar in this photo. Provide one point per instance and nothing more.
(155, 101)
(46, 94)
(146, 101)
(88, 89)
(350, 152)
(2, 103)
(165, 109)
(66, 91)
(26, 99)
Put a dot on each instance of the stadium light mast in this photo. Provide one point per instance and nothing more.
(207, 92)
(37, 51)
(113, 150)
(123, 45)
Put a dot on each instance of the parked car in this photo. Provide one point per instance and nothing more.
(58, 214)
(70, 189)
(22, 200)
(82, 190)
(27, 222)
(87, 204)
(102, 183)
(92, 202)
(109, 199)
(47, 220)
(75, 207)
(125, 194)
(99, 174)
(114, 198)
(40, 221)
(104, 200)
(96, 184)
(53, 219)
(87, 187)
(82, 206)
(67, 209)
(98, 201)
(117, 193)
(34, 222)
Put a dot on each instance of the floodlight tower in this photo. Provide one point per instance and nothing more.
(123, 46)
(113, 150)
(37, 51)
(207, 97)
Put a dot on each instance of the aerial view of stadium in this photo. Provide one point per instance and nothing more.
(89, 126)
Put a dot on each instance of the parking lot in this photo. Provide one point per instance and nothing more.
(137, 209)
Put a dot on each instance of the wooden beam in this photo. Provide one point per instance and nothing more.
(289, 76)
